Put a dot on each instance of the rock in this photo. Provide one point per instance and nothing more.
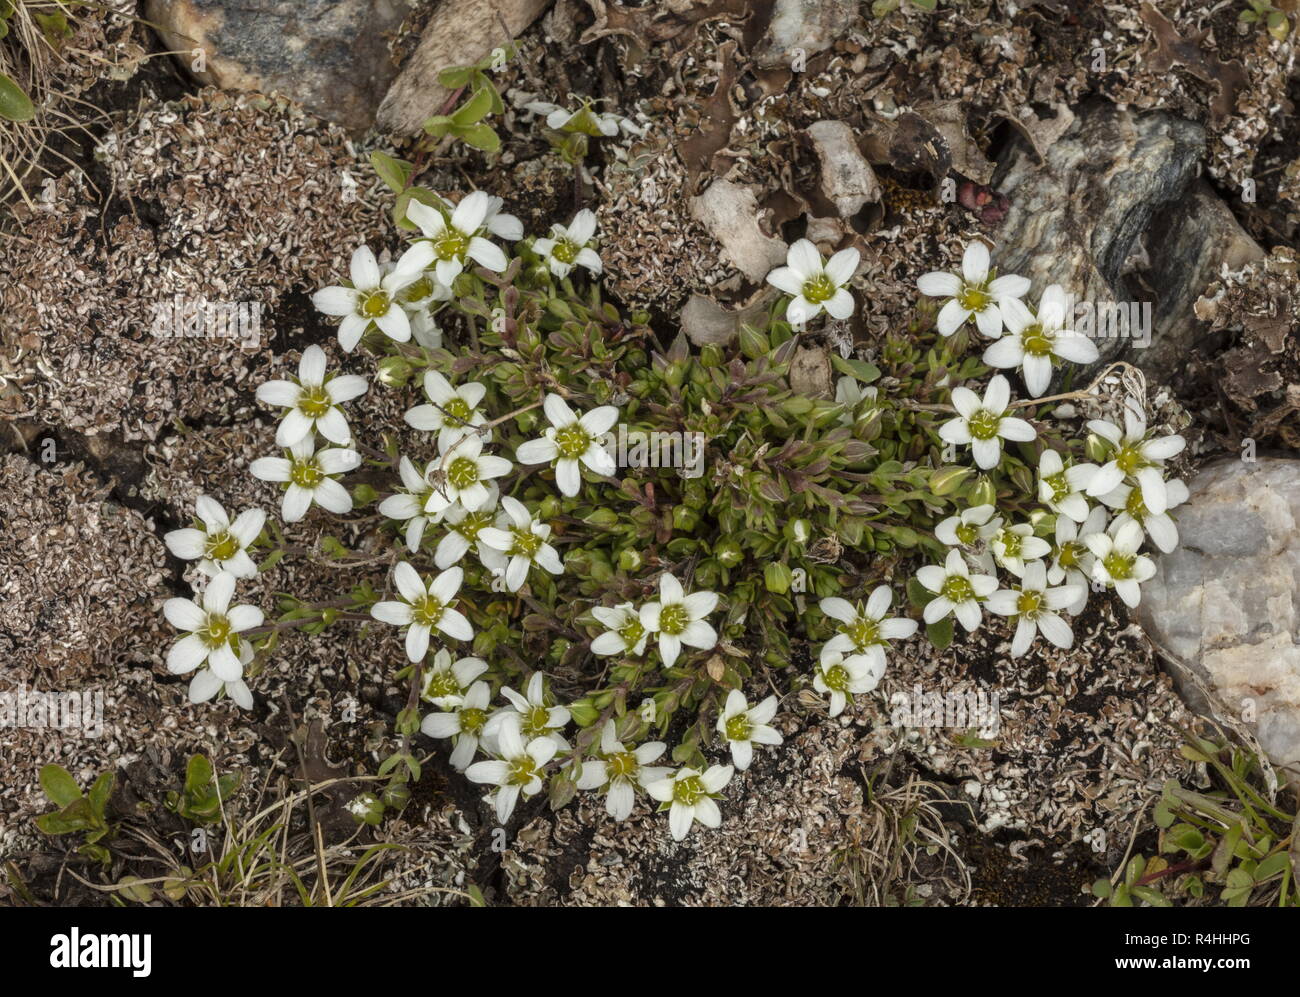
(330, 56)
(461, 32)
(810, 373)
(1224, 608)
(847, 179)
(1189, 245)
(730, 213)
(803, 26)
(706, 321)
(1075, 218)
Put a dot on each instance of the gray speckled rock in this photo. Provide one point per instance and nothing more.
(329, 55)
(1224, 608)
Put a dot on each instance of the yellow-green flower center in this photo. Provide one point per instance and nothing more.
(863, 632)
(673, 619)
(1012, 543)
(631, 632)
(526, 543)
(818, 289)
(1037, 342)
(1059, 485)
(836, 678)
(1134, 505)
(417, 291)
(222, 547)
(375, 304)
(967, 533)
(1069, 554)
(451, 246)
(689, 791)
(427, 611)
(523, 770)
(984, 424)
(305, 473)
(572, 441)
(217, 630)
(314, 402)
(462, 472)
(1118, 566)
(456, 412)
(622, 765)
(1029, 603)
(566, 250)
(957, 588)
(973, 299)
(472, 720)
(536, 722)
(441, 684)
(1129, 459)
(472, 523)
(739, 728)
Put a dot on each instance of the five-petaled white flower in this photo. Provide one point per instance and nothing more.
(373, 296)
(516, 543)
(1071, 558)
(967, 529)
(213, 627)
(1033, 341)
(571, 441)
(743, 726)
(219, 544)
(688, 796)
(866, 631)
(1135, 456)
(984, 424)
(842, 677)
(407, 506)
(312, 403)
(678, 619)
(956, 591)
(519, 770)
(815, 285)
(530, 714)
(625, 634)
(567, 247)
(446, 683)
(451, 412)
(456, 240)
(1158, 526)
(1060, 488)
(972, 293)
(1116, 561)
(619, 770)
(465, 475)
(463, 722)
(1014, 545)
(308, 474)
(463, 529)
(206, 683)
(424, 607)
(418, 299)
(586, 120)
(1035, 608)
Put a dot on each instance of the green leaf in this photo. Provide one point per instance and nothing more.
(859, 369)
(100, 791)
(394, 172)
(15, 105)
(480, 136)
(473, 110)
(940, 634)
(59, 785)
(947, 480)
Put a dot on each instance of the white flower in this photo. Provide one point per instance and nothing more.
(466, 474)
(1034, 607)
(531, 715)
(1014, 545)
(453, 412)
(1158, 526)
(1135, 457)
(956, 591)
(446, 682)
(516, 543)
(220, 545)
(972, 293)
(463, 723)
(213, 628)
(568, 247)
(744, 726)
(1034, 341)
(424, 607)
(1071, 558)
(1060, 488)
(462, 529)
(586, 120)
(624, 632)
(843, 677)
(679, 619)
(571, 441)
(1116, 561)
(407, 506)
(519, 770)
(308, 472)
(373, 297)
(850, 393)
(968, 529)
(312, 403)
(814, 285)
(983, 424)
(206, 683)
(619, 771)
(688, 796)
(456, 240)
(418, 299)
(866, 631)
